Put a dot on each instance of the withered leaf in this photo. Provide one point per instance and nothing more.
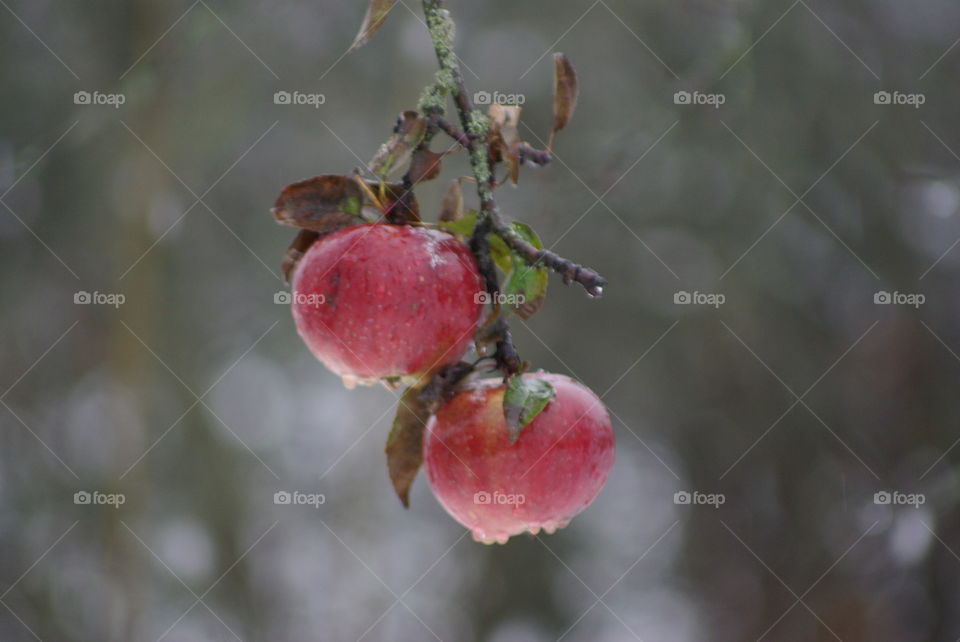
(451, 208)
(322, 203)
(564, 93)
(301, 243)
(424, 166)
(399, 204)
(523, 400)
(395, 153)
(405, 442)
(377, 11)
(505, 137)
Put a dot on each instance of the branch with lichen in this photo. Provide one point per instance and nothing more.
(449, 80)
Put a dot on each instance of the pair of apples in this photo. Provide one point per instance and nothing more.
(376, 301)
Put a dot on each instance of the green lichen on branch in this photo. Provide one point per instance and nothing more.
(442, 32)
(433, 99)
(477, 126)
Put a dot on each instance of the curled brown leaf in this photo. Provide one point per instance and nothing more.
(564, 93)
(301, 243)
(321, 203)
(377, 11)
(424, 166)
(405, 443)
(395, 152)
(451, 209)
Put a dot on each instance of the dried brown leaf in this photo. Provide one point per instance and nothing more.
(505, 137)
(399, 204)
(301, 243)
(451, 209)
(322, 203)
(377, 11)
(405, 443)
(395, 153)
(424, 166)
(564, 92)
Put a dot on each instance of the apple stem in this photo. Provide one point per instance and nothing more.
(473, 138)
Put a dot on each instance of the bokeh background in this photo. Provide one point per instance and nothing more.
(800, 200)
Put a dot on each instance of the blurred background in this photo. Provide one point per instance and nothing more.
(771, 188)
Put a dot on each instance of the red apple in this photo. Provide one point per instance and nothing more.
(497, 489)
(374, 301)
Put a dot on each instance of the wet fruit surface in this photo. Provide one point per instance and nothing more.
(497, 489)
(378, 300)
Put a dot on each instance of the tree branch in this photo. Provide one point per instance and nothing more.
(475, 125)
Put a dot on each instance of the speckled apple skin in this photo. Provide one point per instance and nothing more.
(397, 300)
(558, 464)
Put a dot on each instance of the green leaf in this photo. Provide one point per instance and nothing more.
(526, 286)
(377, 11)
(405, 443)
(352, 206)
(523, 400)
(462, 227)
(500, 253)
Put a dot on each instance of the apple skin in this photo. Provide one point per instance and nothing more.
(557, 466)
(377, 300)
